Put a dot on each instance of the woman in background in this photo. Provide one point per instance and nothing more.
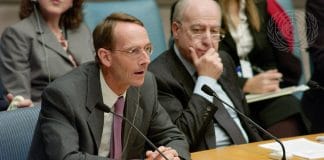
(246, 41)
(49, 41)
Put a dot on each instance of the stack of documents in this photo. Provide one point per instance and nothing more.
(300, 147)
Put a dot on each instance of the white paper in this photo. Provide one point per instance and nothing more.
(299, 147)
(284, 91)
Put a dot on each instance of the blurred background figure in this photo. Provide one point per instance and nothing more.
(49, 41)
(313, 100)
(246, 40)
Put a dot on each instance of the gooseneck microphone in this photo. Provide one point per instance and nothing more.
(210, 92)
(106, 109)
(314, 85)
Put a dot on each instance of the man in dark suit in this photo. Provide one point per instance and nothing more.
(191, 62)
(72, 123)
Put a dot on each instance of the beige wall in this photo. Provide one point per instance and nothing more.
(9, 12)
(8, 15)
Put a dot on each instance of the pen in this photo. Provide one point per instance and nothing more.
(260, 70)
(257, 69)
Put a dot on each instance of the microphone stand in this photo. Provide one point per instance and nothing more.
(210, 92)
(105, 108)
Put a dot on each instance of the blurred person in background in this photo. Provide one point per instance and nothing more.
(245, 24)
(49, 41)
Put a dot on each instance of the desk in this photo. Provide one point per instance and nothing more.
(250, 151)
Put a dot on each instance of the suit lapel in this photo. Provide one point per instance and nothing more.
(96, 116)
(46, 38)
(180, 73)
(133, 112)
(230, 89)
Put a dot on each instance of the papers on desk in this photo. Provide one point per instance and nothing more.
(300, 147)
(284, 91)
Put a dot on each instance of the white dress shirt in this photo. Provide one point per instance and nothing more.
(109, 98)
(222, 138)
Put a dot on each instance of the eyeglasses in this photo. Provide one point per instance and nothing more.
(137, 51)
(217, 37)
(200, 32)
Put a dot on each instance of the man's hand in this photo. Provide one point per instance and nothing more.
(209, 64)
(168, 152)
(264, 82)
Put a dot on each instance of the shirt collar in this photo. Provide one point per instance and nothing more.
(190, 68)
(108, 95)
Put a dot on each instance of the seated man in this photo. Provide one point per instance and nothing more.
(72, 123)
(190, 63)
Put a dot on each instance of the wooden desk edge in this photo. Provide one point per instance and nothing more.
(250, 151)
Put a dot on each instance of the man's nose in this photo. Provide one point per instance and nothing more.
(207, 39)
(145, 58)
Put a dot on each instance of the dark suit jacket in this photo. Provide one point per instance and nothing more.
(30, 56)
(3, 101)
(192, 113)
(70, 125)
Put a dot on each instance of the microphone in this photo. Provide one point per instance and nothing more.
(210, 92)
(106, 109)
(314, 85)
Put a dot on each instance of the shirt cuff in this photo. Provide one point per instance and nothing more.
(201, 80)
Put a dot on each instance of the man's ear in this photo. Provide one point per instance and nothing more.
(104, 56)
(175, 27)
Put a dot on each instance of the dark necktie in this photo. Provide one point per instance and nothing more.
(116, 147)
(226, 121)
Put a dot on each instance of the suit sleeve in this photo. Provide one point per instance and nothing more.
(162, 130)
(191, 116)
(14, 62)
(59, 128)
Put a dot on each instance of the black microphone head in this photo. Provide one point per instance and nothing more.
(207, 90)
(103, 107)
(313, 85)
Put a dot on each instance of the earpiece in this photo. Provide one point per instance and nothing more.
(42, 38)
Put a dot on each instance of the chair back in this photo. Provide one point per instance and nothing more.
(16, 132)
(145, 10)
